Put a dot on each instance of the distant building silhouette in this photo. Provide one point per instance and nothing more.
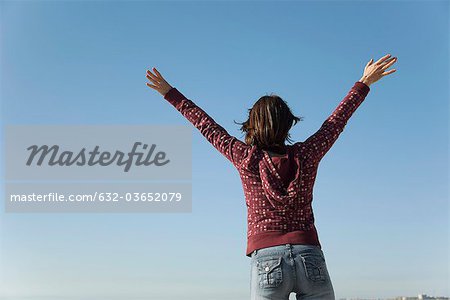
(422, 297)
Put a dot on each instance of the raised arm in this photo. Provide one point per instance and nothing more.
(317, 145)
(231, 147)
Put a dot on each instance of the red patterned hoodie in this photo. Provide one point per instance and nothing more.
(278, 212)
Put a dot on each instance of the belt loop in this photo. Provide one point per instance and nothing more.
(289, 247)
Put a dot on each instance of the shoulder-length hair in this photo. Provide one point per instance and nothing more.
(268, 123)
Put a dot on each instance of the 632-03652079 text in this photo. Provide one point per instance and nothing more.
(99, 196)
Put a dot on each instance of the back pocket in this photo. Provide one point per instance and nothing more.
(315, 266)
(270, 273)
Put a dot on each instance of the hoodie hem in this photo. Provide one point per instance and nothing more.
(276, 238)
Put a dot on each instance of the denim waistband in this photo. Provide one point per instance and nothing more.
(283, 248)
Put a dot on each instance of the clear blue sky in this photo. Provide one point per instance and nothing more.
(381, 195)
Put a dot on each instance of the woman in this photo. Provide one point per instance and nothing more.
(278, 180)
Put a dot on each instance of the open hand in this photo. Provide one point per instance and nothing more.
(374, 71)
(159, 83)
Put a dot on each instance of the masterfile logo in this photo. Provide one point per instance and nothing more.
(98, 152)
(53, 156)
(98, 168)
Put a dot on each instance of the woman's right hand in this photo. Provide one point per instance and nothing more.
(159, 83)
(375, 71)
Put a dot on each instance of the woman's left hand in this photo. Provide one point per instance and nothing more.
(159, 83)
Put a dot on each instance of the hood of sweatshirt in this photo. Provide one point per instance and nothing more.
(275, 191)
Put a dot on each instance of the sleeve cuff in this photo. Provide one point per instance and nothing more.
(362, 87)
(174, 96)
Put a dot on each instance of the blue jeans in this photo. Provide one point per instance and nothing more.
(279, 270)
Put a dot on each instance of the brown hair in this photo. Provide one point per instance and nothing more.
(268, 123)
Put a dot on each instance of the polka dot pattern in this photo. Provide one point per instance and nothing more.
(271, 205)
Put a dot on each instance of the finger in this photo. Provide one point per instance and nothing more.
(388, 65)
(159, 74)
(152, 75)
(152, 80)
(388, 60)
(388, 72)
(152, 86)
(382, 59)
(369, 62)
